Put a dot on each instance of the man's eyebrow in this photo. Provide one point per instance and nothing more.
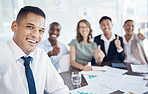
(30, 24)
(34, 25)
(43, 29)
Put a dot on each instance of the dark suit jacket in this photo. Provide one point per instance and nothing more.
(113, 54)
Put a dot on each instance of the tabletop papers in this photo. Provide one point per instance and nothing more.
(140, 68)
(112, 80)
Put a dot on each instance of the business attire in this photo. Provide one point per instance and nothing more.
(109, 49)
(13, 80)
(134, 51)
(46, 45)
(84, 52)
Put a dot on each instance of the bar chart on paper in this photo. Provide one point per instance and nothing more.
(91, 76)
(85, 93)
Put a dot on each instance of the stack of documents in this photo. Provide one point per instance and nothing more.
(140, 68)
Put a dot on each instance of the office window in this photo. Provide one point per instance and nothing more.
(137, 10)
(69, 12)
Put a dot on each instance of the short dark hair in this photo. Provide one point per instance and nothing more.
(53, 24)
(104, 18)
(25, 10)
(127, 21)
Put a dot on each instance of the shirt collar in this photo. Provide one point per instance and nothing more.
(124, 40)
(17, 51)
(111, 38)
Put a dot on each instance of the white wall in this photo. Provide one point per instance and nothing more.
(67, 13)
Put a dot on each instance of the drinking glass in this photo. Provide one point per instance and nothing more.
(76, 78)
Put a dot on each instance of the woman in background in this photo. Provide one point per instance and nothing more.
(82, 49)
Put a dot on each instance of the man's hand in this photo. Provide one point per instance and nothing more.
(55, 50)
(140, 35)
(118, 43)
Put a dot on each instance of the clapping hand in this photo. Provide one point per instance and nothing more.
(140, 35)
(118, 43)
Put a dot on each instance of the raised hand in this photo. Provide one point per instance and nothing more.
(118, 43)
(140, 35)
(100, 54)
(56, 49)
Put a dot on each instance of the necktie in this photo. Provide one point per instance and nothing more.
(29, 75)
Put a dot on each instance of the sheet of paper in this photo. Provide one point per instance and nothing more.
(90, 75)
(93, 73)
(134, 84)
(140, 68)
(99, 68)
(124, 83)
(92, 89)
(96, 71)
(88, 78)
(115, 71)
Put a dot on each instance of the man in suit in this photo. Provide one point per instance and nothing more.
(111, 44)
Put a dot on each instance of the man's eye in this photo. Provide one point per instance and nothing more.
(30, 27)
(41, 31)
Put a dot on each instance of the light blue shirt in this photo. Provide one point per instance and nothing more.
(46, 45)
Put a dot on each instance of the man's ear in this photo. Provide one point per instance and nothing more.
(14, 26)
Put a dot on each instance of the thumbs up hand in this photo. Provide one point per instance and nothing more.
(100, 52)
(140, 35)
(118, 43)
(55, 51)
(100, 55)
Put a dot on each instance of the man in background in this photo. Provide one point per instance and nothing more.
(54, 49)
(110, 43)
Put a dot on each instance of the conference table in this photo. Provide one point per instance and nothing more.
(67, 77)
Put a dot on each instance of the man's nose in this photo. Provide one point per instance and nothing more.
(130, 27)
(55, 31)
(35, 33)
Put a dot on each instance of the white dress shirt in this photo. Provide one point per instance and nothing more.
(107, 42)
(129, 56)
(13, 80)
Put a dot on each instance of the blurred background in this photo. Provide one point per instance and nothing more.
(69, 12)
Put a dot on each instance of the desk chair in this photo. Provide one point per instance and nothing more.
(64, 63)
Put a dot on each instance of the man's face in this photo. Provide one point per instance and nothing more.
(106, 26)
(54, 32)
(28, 32)
(129, 28)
